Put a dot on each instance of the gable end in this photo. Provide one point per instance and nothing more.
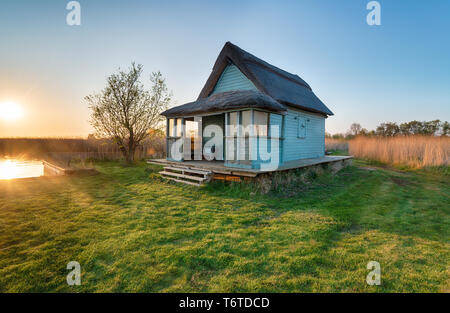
(232, 79)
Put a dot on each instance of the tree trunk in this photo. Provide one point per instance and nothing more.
(130, 156)
(131, 148)
(125, 152)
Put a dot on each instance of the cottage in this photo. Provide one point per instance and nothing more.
(251, 116)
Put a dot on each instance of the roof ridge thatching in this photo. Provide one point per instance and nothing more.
(284, 87)
(274, 69)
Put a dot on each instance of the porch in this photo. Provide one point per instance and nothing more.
(238, 139)
(218, 167)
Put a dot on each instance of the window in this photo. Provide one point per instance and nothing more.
(179, 127)
(261, 122)
(171, 128)
(191, 129)
(233, 124)
(301, 131)
(246, 122)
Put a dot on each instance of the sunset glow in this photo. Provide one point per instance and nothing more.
(10, 111)
(8, 169)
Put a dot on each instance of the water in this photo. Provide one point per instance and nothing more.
(13, 168)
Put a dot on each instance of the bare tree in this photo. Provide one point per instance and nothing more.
(125, 111)
(355, 129)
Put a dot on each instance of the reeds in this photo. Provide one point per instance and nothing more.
(76, 148)
(414, 151)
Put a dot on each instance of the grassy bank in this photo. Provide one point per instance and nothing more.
(130, 231)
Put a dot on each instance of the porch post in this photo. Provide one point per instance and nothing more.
(198, 140)
(227, 133)
(183, 138)
(241, 147)
(167, 138)
(283, 138)
(253, 144)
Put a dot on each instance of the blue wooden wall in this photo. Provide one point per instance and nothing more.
(312, 145)
(304, 144)
(233, 79)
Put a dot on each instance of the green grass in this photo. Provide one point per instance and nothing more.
(133, 232)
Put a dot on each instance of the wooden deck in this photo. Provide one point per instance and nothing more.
(218, 167)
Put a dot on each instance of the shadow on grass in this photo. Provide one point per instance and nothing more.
(404, 202)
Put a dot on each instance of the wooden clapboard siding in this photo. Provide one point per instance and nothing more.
(233, 79)
(313, 145)
(275, 120)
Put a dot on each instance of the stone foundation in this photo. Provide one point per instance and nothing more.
(274, 180)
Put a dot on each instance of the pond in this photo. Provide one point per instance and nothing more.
(14, 168)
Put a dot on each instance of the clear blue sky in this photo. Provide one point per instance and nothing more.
(398, 71)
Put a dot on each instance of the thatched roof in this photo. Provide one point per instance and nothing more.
(285, 88)
(225, 101)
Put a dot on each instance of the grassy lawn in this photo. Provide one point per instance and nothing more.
(132, 232)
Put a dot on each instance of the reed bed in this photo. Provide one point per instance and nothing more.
(67, 149)
(413, 151)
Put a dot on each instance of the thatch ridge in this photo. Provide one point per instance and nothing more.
(282, 86)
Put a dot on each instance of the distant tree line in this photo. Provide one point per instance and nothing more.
(391, 129)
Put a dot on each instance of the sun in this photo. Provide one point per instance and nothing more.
(10, 111)
(7, 169)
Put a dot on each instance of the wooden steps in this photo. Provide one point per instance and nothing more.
(206, 166)
(186, 175)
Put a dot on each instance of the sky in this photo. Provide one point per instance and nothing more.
(397, 71)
